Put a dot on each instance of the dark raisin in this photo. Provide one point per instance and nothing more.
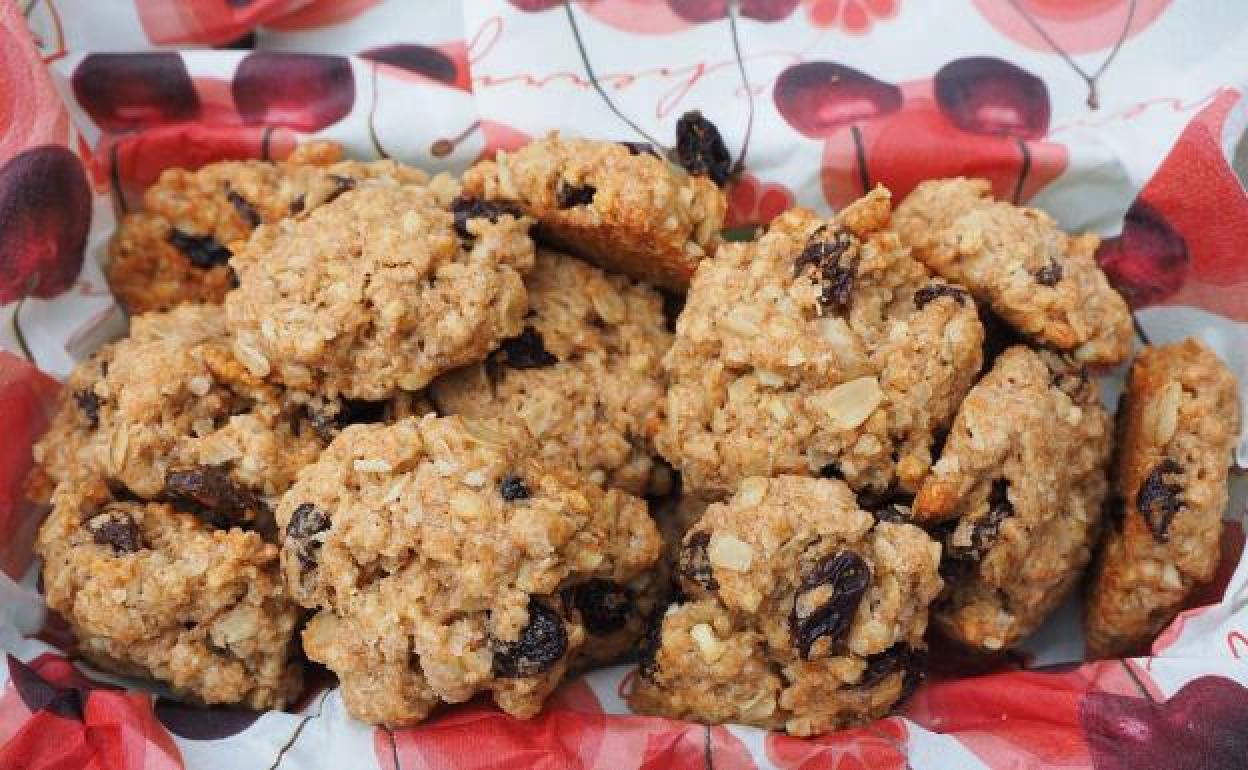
(306, 521)
(695, 563)
(700, 149)
(568, 196)
(243, 207)
(1050, 274)
(648, 649)
(934, 290)
(513, 488)
(831, 471)
(984, 531)
(465, 208)
(341, 185)
(298, 204)
(116, 528)
(527, 351)
(204, 251)
(605, 606)
(835, 258)
(640, 148)
(540, 646)
(1159, 500)
(847, 576)
(899, 657)
(210, 493)
(871, 500)
(89, 404)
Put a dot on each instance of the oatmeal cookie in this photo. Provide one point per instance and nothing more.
(822, 347)
(801, 612)
(615, 204)
(169, 414)
(178, 247)
(153, 591)
(584, 376)
(1017, 496)
(379, 291)
(439, 555)
(1017, 261)
(1177, 425)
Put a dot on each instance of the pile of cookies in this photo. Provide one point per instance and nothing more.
(451, 436)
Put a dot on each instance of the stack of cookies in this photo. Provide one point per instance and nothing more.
(451, 436)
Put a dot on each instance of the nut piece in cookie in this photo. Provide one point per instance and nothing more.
(1017, 262)
(1017, 496)
(800, 613)
(584, 376)
(614, 204)
(443, 562)
(377, 292)
(179, 247)
(1178, 422)
(820, 348)
(152, 591)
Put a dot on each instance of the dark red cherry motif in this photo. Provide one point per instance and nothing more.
(1148, 262)
(983, 95)
(535, 6)
(45, 211)
(1202, 726)
(306, 92)
(710, 10)
(123, 91)
(447, 67)
(820, 97)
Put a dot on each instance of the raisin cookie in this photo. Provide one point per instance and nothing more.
(616, 204)
(168, 413)
(445, 562)
(178, 248)
(821, 347)
(1177, 425)
(1017, 261)
(801, 612)
(153, 591)
(1017, 496)
(377, 291)
(584, 376)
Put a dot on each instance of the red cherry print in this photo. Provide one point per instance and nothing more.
(45, 211)
(27, 400)
(306, 92)
(448, 67)
(1148, 262)
(1077, 26)
(983, 95)
(879, 746)
(535, 6)
(203, 724)
(817, 98)
(321, 13)
(768, 10)
(123, 91)
(699, 10)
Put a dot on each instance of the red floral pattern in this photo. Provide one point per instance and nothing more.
(27, 398)
(878, 746)
(753, 202)
(855, 17)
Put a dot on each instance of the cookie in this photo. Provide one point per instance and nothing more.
(153, 591)
(168, 414)
(379, 291)
(618, 205)
(584, 376)
(179, 246)
(1017, 496)
(821, 347)
(1017, 262)
(801, 613)
(444, 561)
(1178, 422)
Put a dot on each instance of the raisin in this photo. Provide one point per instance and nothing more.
(605, 606)
(700, 149)
(341, 185)
(648, 649)
(243, 207)
(210, 493)
(568, 196)
(934, 290)
(900, 657)
(836, 261)
(540, 646)
(513, 488)
(204, 251)
(116, 528)
(1050, 274)
(306, 521)
(695, 563)
(1159, 500)
(848, 577)
(984, 531)
(89, 404)
(527, 351)
(869, 500)
(465, 208)
(297, 205)
(640, 148)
